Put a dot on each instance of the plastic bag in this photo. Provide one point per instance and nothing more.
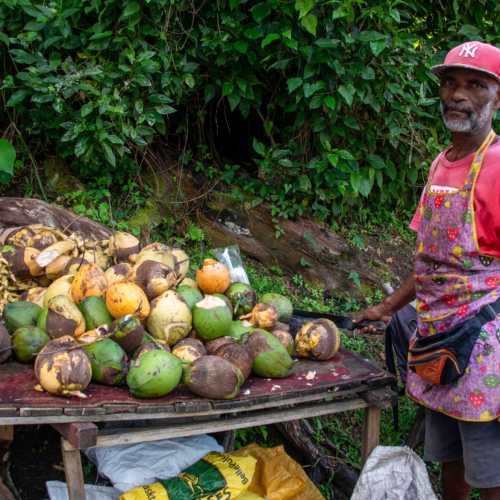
(231, 258)
(277, 476)
(217, 475)
(393, 473)
(58, 490)
(128, 466)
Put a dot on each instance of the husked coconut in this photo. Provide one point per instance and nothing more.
(318, 339)
(262, 316)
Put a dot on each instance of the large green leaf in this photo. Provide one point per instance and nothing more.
(7, 158)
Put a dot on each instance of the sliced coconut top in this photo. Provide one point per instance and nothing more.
(210, 302)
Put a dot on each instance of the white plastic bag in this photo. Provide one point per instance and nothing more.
(58, 490)
(132, 465)
(393, 473)
(231, 258)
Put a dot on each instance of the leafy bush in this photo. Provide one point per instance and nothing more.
(336, 97)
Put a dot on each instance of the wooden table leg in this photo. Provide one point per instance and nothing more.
(73, 471)
(371, 431)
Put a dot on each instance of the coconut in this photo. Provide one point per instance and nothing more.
(54, 251)
(318, 339)
(118, 272)
(170, 318)
(65, 264)
(97, 256)
(128, 332)
(154, 374)
(151, 344)
(281, 303)
(262, 316)
(44, 236)
(22, 261)
(5, 343)
(188, 350)
(236, 354)
(242, 297)
(89, 281)
(62, 368)
(189, 282)
(94, 335)
(127, 298)
(214, 378)
(286, 338)
(62, 318)
(239, 329)
(213, 345)
(181, 263)
(157, 252)
(213, 277)
(109, 361)
(226, 301)
(20, 313)
(153, 277)
(123, 245)
(270, 358)
(211, 318)
(35, 295)
(27, 342)
(94, 312)
(190, 295)
(61, 286)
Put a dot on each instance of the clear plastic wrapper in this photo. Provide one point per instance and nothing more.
(230, 256)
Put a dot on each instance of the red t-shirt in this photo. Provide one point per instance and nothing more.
(448, 176)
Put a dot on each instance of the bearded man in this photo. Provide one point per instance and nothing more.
(454, 358)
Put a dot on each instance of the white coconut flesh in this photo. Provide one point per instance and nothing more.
(211, 302)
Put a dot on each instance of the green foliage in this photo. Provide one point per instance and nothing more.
(7, 160)
(338, 94)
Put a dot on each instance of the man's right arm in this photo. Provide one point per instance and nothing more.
(393, 303)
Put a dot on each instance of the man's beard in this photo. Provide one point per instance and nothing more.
(473, 121)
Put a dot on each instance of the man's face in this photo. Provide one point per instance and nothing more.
(468, 99)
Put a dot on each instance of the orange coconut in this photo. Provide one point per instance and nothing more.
(213, 277)
(124, 298)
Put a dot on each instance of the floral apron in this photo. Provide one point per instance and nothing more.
(453, 281)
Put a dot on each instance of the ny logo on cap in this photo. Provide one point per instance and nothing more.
(468, 50)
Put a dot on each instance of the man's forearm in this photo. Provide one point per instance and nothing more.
(401, 297)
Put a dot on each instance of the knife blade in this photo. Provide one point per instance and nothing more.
(301, 317)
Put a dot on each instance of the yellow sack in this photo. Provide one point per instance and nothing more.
(277, 476)
(216, 475)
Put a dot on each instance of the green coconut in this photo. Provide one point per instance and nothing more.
(128, 332)
(213, 377)
(212, 318)
(281, 303)
(154, 374)
(27, 342)
(190, 295)
(170, 318)
(109, 362)
(270, 358)
(95, 312)
(5, 343)
(225, 299)
(242, 297)
(21, 313)
(150, 343)
(239, 329)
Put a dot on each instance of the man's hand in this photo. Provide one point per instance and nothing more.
(380, 312)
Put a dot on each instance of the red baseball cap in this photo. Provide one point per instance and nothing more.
(477, 56)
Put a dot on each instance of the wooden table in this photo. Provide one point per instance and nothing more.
(346, 382)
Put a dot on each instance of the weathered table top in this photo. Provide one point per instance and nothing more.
(311, 381)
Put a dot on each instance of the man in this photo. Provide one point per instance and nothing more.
(457, 273)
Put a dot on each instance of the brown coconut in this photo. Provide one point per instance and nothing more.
(22, 262)
(188, 350)
(238, 355)
(151, 345)
(214, 378)
(318, 339)
(62, 368)
(263, 316)
(213, 345)
(5, 343)
(89, 281)
(286, 339)
(61, 286)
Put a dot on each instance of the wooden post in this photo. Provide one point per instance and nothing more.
(6, 433)
(73, 470)
(371, 431)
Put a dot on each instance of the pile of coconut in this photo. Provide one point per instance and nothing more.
(114, 313)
